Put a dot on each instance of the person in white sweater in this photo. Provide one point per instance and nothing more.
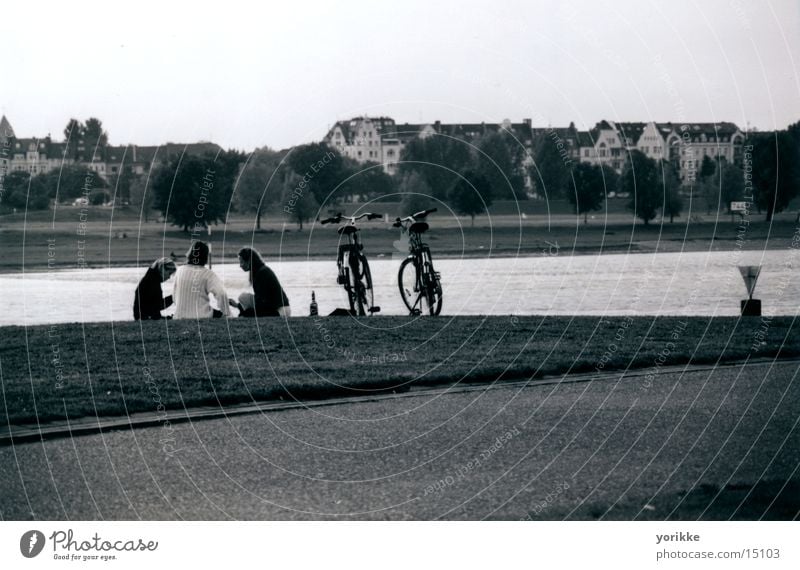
(194, 283)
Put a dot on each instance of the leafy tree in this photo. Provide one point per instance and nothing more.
(25, 192)
(642, 180)
(16, 188)
(38, 197)
(776, 169)
(471, 195)
(72, 181)
(708, 190)
(368, 179)
(732, 183)
(673, 202)
(74, 130)
(550, 171)
(610, 178)
(300, 204)
(122, 184)
(499, 160)
(438, 159)
(190, 191)
(73, 135)
(710, 183)
(141, 195)
(94, 137)
(260, 183)
(707, 168)
(227, 165)
(588, 189)
(98, 198)
(416, 194)
(320, 168)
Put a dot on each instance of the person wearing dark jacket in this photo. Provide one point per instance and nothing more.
(148, 301)
(268, 298)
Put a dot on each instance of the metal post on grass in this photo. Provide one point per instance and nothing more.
(208, 229)
(750, 307)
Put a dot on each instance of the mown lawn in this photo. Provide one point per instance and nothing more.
(31, 243)
(107, 369)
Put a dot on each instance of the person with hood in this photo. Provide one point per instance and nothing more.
(149, 300)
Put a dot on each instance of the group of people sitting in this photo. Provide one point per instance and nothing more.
(195, 284)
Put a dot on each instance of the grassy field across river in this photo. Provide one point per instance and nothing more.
(58, 372)
(117, 237)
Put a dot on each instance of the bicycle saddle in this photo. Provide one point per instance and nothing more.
(418, 227)
(347, 230)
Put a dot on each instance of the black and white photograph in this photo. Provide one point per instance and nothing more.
(413, 262)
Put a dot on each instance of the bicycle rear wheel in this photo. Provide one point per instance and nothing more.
(362, 295)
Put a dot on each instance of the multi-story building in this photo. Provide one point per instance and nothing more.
(37, 156)
(603, 145)
(685, 145)
(689, 143)
(6, 140)
(381, 140)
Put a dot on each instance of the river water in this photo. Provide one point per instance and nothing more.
(699, 283)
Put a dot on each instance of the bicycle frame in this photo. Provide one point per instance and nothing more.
(426, 280)
(354, 274)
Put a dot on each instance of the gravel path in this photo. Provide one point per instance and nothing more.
(704, 444)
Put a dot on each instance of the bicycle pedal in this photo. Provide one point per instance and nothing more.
(415, 312)
(374, 309)
(341, 280)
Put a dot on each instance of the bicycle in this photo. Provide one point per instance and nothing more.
(417, 279)
(354, 274)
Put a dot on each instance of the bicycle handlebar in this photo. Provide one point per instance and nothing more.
(413, 217)
(337, 219)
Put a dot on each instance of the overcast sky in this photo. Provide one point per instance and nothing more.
(247, 76)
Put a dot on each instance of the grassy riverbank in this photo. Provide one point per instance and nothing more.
(112, 369)
(121, 238)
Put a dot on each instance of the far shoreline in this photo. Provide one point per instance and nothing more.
(658, 247)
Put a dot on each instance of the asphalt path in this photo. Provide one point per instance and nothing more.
(700, 444)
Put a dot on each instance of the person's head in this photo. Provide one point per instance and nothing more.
(198, 253)
(250, 259)
(165, 267)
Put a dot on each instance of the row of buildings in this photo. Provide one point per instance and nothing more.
(381, 140)
(41, 155)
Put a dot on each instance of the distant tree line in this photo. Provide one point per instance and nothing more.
(467, 176)
(769, 178)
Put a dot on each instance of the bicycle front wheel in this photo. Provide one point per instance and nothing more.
(419, 287)
(431, 287)
(408, 282)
